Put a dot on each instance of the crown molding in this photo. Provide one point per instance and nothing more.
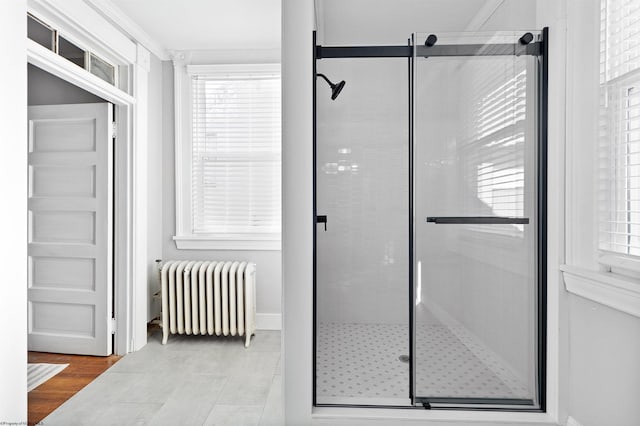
(114, 14)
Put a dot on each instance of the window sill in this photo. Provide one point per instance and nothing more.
(196, 242)
(613, 290)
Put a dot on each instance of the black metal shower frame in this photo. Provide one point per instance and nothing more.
(539, 49)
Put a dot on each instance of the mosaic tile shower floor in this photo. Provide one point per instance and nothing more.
(361, 362)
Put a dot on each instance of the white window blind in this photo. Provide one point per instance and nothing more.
(494, 143)
(619, 133)
(236, 147)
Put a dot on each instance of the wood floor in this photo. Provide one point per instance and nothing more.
(81, 371)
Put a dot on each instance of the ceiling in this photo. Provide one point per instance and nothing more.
(236, 25)
(207, 24)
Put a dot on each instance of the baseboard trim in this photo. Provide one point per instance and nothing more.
(269, 321)
(573, 422)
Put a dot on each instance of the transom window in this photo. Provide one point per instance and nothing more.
(51, 38)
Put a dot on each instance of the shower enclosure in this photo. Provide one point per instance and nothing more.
(430, 212)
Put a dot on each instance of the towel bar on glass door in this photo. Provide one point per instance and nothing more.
(444, 220)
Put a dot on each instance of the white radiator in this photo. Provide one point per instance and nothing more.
(208, 297)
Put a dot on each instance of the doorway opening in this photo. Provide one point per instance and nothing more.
(70, 218)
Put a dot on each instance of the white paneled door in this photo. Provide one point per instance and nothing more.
(70, 228)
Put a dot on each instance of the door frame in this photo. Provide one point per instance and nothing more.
(129, 233)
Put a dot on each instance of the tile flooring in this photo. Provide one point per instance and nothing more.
(359, 364)
(192, 380)
(360, 361)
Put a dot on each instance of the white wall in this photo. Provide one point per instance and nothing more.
(603, 343)
(357, 22)
(605, 373)
(268, 263)
(297, 209)
(155, 183)
(13, 164)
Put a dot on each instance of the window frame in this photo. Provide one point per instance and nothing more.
(610, 279)
(185, 238)
(610, 261)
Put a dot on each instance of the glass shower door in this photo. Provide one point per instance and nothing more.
(362, 250)
(476, 219)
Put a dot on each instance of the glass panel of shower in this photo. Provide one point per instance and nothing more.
(430, 233)
(476, 226)
(362, 250)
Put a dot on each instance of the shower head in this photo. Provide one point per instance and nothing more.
(335, 88)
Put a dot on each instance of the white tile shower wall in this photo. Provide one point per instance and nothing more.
(362, 187)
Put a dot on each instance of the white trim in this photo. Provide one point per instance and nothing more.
(143, 58)
(43, 58)
(557, 356)
(572, 422)
(372, 416)
(268, 321)
(123, 260)
(207, 243)
(217, 69)
(618, 260)
(617, 292)
(129, 26)
(230, 56)
(140, 198)
(183, 195)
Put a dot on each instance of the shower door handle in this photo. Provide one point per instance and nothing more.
(322, 219)
(477, 220)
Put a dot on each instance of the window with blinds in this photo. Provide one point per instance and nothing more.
(619, 132)
(236, 143)
(494, 141)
